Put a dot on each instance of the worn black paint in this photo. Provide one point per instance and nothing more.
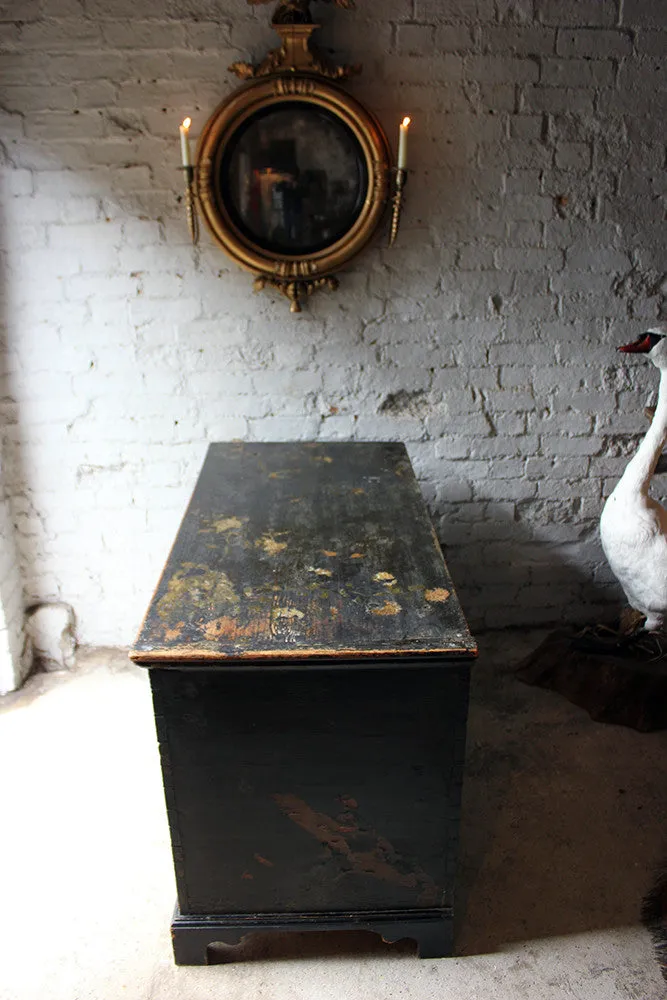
(317, 787)
(305, 551)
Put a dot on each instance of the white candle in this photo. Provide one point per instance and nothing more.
(403, 144)
(185, 141)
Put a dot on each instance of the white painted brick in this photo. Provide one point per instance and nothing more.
(503, 446)
(495, 96)
(566, 446)
(578, 12)
(444, 68)
(102, 10)
(558, 100)
(525, 233)
(624, 102)
(592, 43)
(501, 401)
(592, 307)
(638, 72)
(527, 127)
(518, 353)
(577, 73)
(284, 429)
(56, 185)
(651, 43)
(510, 423)
(525, 154)
(75, 66)
(506, 468)
(533, 259)
(415, 39)
(644, 14)
(16, 183)
(219, 34)
(181, 310)
(550, 490)
(527, 208)
(13, 126)
(96, 94)
(521, 40)
(454, 38)
(451, 447)
(502, 69)
(576, 424)
(65, 125)
(63, 34)
(455, 10)
(136, 34)
(600, 259)
(556, 468)
(10, 33)
(574, 156)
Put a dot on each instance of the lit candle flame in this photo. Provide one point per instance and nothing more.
(187, 122)
(406, 121)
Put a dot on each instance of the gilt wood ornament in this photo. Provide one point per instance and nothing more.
(297, 54)
(292, 174)
(297, 11)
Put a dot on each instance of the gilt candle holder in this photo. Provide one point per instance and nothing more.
(190, 204)
(397, 202)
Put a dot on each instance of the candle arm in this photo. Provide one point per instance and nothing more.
(397, 202)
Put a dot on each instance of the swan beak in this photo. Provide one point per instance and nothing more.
(642, 345)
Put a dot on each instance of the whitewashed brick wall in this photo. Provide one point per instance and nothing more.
(533, 243)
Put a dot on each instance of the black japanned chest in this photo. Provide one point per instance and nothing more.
(309, 664)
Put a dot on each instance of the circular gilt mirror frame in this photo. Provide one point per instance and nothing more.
(292, 173)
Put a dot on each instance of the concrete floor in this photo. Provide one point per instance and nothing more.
(564, 820)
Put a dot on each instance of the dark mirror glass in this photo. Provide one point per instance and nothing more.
(293, 178)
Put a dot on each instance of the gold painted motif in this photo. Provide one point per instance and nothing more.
(271, 546)
(437, 596)
(194, 591)
(388, 608)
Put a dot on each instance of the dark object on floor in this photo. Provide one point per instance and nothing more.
(309, 664)
(617, 678)
(654, 918)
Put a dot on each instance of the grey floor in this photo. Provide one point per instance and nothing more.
(564, 821)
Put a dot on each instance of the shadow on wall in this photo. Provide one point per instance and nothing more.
(511, 571)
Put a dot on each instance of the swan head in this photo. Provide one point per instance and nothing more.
(653, 343)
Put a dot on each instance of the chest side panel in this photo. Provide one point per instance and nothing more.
(307, 791)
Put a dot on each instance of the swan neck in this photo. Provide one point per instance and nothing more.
(641, 468)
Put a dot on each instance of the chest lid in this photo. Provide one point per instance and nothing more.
(298, 551)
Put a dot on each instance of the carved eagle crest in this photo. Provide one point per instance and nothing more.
(297, 11)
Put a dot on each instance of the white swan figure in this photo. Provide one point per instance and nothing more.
(633, 526)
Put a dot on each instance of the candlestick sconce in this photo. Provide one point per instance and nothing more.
(292, 174)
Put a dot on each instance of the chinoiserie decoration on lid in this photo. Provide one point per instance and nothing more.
(291, 173)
